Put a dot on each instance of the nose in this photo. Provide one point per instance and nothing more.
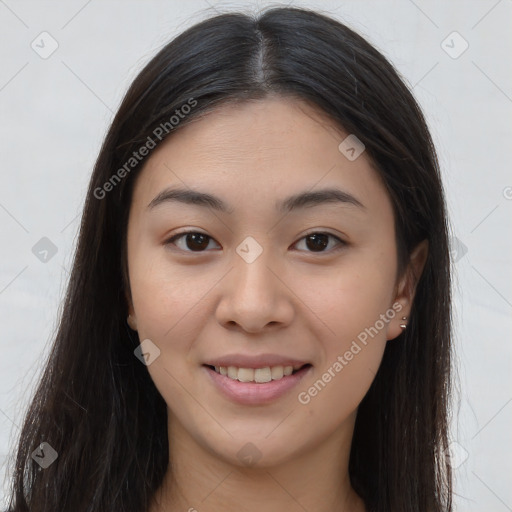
(255, 297)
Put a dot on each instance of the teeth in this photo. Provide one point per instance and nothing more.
(277, 372)
(259, 375)
(263, 374)
(245, 374)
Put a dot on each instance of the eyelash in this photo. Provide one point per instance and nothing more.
(340, 245)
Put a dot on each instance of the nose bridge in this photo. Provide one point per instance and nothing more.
(253, 295)
(252, 274)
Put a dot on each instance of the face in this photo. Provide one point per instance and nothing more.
(266, 282)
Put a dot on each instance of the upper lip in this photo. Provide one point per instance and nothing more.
(258, 361)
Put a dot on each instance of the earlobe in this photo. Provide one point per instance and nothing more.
(399, 323)
(407, 289)
(131, 321)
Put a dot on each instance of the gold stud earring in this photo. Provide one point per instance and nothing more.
(404, 325)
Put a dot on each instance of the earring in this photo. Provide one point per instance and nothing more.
(404, 325)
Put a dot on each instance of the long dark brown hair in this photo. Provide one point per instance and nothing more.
(96, 404)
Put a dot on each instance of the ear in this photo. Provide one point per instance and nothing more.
(406, 289)
(131, 320)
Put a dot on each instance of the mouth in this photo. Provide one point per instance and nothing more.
(255, 386)
(257, 375)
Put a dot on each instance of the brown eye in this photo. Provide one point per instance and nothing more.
(194, 241)
(317, 242)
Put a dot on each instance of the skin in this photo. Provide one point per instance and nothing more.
(292, 300)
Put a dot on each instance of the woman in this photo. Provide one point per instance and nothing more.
(258, 313)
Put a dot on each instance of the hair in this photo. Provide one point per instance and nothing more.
(96, 404)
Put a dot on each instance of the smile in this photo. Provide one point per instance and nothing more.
(255, 386)
(259, 375)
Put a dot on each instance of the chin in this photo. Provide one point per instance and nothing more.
(254, 451)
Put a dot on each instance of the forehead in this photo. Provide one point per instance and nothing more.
(255, 130)
(259, 150)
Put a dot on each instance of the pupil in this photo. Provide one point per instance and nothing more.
(198, 240)
(322, 244)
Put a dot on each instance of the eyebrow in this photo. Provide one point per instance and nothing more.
(301, 200)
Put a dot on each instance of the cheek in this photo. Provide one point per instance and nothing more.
(163, 296)
(169, 312)
(353, 340)
(351, 297)
(353, 308)
(167, 305)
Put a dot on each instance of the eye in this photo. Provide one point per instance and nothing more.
(195, 241)
(317, 241)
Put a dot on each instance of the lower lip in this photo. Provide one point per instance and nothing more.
(253, 393)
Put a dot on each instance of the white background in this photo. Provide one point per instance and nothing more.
(55, 112)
